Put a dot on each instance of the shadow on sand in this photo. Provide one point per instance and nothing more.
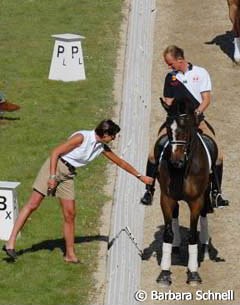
(225, 42)
(180, 256)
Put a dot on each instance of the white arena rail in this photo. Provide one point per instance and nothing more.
(124, 261)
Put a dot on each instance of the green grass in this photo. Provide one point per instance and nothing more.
(50, 112)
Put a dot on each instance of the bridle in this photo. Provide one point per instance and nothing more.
(182, 121)
(177, 117)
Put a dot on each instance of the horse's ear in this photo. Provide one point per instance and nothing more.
(164, 105)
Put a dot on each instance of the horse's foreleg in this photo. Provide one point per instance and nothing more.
(164, 279)
(193, 246)
(167, 246)
(193, 258)
(204, 236)
(167, 206)
(193, 276)
(166, 256)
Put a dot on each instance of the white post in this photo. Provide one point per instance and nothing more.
(67, 60)
(8, 207)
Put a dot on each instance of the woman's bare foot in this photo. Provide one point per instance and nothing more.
(71, 260)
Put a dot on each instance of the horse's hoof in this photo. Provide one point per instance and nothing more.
(193, 278)
(164, 278)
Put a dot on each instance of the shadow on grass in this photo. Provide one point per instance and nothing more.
(52, 244)
(5, 118)
(179, 255)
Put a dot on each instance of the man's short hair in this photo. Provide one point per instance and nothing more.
(107, 127)
(174, 51)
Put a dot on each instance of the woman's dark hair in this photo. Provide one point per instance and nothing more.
(107, 127)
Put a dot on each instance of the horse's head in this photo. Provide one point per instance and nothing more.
(180, 124)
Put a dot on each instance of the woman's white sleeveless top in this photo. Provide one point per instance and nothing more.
(87, 151)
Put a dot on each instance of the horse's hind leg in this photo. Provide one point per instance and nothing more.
(176, 229)
(204, 237)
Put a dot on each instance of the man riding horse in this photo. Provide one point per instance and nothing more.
(234, 15)
(193, 82)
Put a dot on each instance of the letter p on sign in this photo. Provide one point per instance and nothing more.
(67, 60)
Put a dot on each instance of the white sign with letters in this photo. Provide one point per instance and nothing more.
(67, 60)
(8, 207)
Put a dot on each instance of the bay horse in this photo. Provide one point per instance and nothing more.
(234, 16)
(183, 174)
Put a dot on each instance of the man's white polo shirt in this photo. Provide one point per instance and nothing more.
(196, 80)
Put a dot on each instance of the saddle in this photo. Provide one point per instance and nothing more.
(211, 146)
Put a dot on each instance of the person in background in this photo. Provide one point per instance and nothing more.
(6, 106)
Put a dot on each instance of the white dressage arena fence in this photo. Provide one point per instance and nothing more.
(124, 255)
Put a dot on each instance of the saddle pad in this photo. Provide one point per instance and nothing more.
(207, 152)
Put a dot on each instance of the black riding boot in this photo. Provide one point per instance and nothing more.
(217, 200)
(151, 172)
